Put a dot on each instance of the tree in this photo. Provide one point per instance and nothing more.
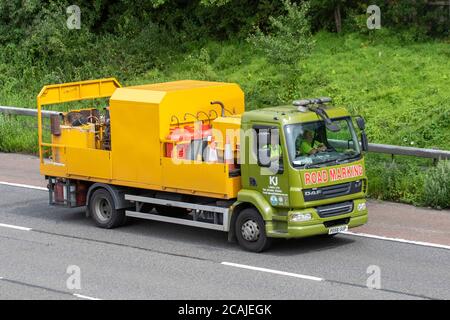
(289, 39)
(325, 11)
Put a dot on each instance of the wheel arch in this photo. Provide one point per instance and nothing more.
(256, 199)
(117, 193)
(248, 199)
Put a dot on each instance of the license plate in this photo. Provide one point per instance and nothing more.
(337, 229)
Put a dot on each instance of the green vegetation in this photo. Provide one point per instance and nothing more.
(437, 185)
(397, 77)
(409, 180)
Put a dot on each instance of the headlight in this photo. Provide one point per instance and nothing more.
(362, 206)
(298, 217)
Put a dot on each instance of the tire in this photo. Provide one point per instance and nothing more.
(102, 210)
(250, 231)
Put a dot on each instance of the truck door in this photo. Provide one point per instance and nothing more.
(267, 163)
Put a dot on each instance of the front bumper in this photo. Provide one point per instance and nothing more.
(317, 225)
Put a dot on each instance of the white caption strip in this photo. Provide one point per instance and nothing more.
(283, 273)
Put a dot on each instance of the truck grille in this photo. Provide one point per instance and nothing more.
(333, 191)
(335, 209)
(337, 222)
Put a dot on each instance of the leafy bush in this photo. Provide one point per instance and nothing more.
(289, 40)
(18, 134)
(409, 180)
(416, 20)
(394, 180)
(436, 186)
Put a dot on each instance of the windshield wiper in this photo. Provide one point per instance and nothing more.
(334, 127)
(351, 158)
(336, 161)
(317, 165)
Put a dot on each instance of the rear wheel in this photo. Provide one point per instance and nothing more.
(103, 210)
(251, 231)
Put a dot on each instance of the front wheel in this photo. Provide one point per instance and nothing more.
(103, 211)
(251, 231)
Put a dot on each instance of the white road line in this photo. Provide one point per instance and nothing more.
(419, 243)
(15, 227)
(85, 297)
(22, 186)
(283, 273)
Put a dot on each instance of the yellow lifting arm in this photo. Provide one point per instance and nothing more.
(72, 91)
(76, 91)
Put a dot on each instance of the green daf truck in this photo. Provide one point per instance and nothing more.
(163, 152)
(303, 190)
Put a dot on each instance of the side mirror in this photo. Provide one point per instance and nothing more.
(364, 142)
(361, 123)
(263, 148)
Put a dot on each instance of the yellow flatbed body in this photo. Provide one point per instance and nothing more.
(141, 118)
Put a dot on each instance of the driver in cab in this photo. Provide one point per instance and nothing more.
(307, 147)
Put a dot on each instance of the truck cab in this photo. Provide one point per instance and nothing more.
(303, 171)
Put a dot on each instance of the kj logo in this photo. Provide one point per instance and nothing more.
(273, 181)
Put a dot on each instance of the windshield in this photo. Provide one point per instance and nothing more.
(312, 144)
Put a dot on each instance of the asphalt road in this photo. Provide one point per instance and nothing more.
(153, 260)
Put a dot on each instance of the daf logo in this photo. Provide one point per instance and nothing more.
(313, 192)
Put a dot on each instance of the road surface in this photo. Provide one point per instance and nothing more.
(41, 246)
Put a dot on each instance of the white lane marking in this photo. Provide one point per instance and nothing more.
(419, 243)
(85, 297)
(22, 186)
(15, 227)
(283, 273)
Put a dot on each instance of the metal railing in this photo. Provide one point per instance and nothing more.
(409, 151)
(25, 111)
(373, 147)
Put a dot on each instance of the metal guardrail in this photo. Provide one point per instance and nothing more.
(373, 147)
(409, 151)
(25, 111)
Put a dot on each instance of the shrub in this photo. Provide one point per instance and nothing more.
(289, 40)
(436, 187)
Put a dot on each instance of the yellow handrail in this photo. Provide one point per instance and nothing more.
(76, 91)
(53, 145)
(72, 91)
